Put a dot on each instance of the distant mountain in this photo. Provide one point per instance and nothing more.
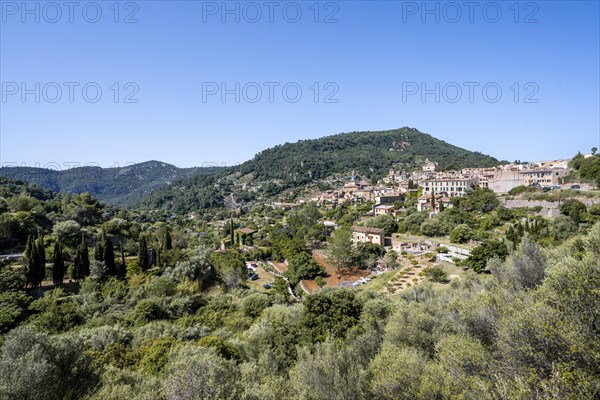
(293, 165)
(120, 186)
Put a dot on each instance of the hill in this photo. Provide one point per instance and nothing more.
(294, 165)
(119, 186)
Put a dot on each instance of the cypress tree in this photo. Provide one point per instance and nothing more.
(58, 268)
(76, 265)
(168, 242)
(143, 253)
(82, 262)
(29, 261)
(39, 257)
(109, 254)
(123, 266)
(85, 259)
(99, 250)
(432, 201)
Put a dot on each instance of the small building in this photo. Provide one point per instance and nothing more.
(543, 177)
(429, 166)
(363, 234)
(384, 209)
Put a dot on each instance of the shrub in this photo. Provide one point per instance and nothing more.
(146, 311)
(155, 355)
(436, 274)
(461, 234)
(13, 309)
(253, 305)
(221, 346)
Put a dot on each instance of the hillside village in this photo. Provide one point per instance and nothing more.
(428, 191)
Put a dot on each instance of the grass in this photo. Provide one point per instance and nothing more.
(263, 277)
(379, 282)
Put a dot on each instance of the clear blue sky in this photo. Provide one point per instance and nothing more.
(378, 57)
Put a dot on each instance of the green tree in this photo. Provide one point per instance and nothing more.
(487, 250)
(483, 200)
(200, 373)
(386, 222)
(330, 312)
(302, 266)
(167, 241)
(230, 268)
(109, 253)
(67, 232)
(436, 274)
(29, 261)
(84, 258)
(397, 373)
(58, 267)
(574, 209)
(339, 247)
(81, 262)
(461, 234)
(98, 270)
(590, 169)
(40, 259)
(433, 227)
(143, 260)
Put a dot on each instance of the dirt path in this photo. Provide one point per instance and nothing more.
(347, 276)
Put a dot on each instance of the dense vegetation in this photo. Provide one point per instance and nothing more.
(588, 169)
(293, 165)
(374, 152)
(528, 330)
(113, 304)
(120, 186)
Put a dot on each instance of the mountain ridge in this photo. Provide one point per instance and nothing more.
(293, 165)
(157, 184)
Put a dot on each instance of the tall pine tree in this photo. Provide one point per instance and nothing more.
(58, 268)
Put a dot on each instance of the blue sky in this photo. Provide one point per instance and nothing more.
(377, 65)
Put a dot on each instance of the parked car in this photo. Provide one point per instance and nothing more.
(253, 277)
(269, 285)
(575, 187)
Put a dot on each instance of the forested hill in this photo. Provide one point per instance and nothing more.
(368, 153)
(292, 165)
(119, 186)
